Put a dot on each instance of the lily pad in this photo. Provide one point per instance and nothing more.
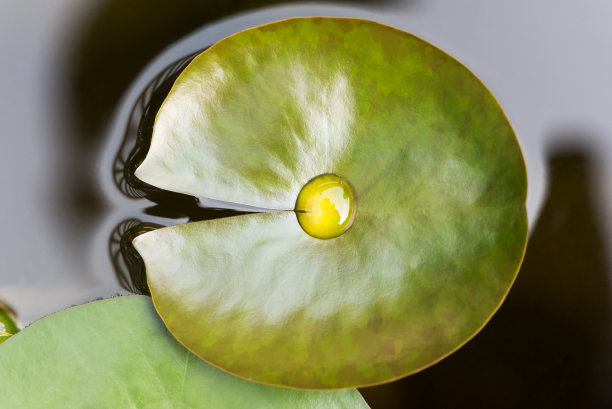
(439, 185)
(116, 354)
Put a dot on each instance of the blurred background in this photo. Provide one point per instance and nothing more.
(72, 72)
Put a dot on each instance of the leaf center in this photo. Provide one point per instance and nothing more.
(326, 206)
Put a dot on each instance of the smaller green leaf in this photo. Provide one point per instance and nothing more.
(117, 354)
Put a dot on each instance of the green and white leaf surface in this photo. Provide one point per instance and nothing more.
(440, 229)
(116, 353)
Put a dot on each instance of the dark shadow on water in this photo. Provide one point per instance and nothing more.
(549, 345)
(129, 266)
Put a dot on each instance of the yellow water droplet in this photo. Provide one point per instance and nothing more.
(326, 206)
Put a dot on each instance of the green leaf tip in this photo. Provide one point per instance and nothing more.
(8, 324)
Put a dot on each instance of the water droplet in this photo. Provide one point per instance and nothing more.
(326, 206)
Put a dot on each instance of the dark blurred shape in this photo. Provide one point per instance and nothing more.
(128, 264)
(124, 35)
(172, 205)
(549, 345)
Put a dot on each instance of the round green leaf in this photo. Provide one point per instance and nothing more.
(438, 174)
(117, 354)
